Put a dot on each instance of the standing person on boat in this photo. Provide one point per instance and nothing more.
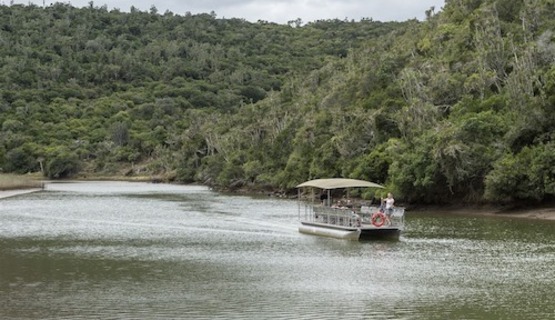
(389, 203)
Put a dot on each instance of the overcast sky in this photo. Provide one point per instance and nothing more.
(279, 11)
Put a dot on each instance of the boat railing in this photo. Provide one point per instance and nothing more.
(349, 217)
(394, 219)
(344, 217)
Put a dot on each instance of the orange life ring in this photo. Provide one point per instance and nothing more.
(378, 219)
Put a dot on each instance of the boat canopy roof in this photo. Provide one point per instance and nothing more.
(337, 183)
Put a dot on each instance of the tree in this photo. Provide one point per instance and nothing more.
(62, 164)
(120, 133)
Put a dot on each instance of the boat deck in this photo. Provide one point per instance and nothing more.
(349, 217)
(348, 223)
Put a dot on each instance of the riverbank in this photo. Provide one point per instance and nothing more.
(13, 193)
(537, 212)
(13, 185)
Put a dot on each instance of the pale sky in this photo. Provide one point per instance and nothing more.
(279, 11)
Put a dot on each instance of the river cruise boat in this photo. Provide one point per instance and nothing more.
(320, 215)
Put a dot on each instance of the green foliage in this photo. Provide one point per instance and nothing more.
(62, 163)
(253, 93)
(120, 133)
(20, 160)
(373, 166)
(413, 172)
(456, 108)
(325, 162)
(526, 176)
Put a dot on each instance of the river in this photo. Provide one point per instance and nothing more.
(121, 250)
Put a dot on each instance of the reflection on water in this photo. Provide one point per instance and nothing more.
(154, 251)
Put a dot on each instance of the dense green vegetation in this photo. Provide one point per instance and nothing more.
(456, 108)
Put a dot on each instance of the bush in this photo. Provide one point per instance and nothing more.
(63, 165)
(526, 176)
(20, 160)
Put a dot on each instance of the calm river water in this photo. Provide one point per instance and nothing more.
(116, 250)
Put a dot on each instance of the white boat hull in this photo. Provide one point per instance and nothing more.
(332, 233)
(363, 232)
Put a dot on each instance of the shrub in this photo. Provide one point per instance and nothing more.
(64, 164)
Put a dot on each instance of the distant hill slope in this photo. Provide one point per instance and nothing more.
(456, 108)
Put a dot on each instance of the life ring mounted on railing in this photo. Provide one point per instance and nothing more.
(378, 219)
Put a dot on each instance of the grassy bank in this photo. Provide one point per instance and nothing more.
(13, 182)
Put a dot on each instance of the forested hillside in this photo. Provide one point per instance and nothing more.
(97, 91)
(459, 107)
